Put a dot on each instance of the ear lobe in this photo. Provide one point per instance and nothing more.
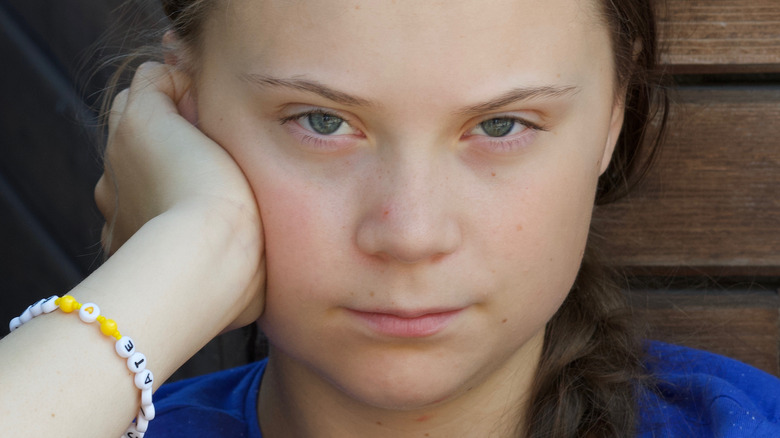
(173, 51)
(175, 55)
(615, 125)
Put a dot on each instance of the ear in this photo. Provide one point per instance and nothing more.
(176, 55)
(615, 125)
(172, 49)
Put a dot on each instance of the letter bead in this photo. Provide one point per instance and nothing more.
(48, 305)
(141, 423)
(146, 397)
(125, 347)
(26, 316)
(132, 432)
(37, 308)
(144, 380)
(89, 312)
(15, 323)
(136, 363)
(148, 411)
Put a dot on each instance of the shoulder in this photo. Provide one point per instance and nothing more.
(217, 404)
(696, 393)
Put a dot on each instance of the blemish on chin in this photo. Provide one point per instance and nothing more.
(378, 423)
(423, 418)
(492, 173)
(519, 227)
(371, 294)
(503, 321)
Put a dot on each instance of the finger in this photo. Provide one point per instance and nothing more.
(118, 107)
(159, 84)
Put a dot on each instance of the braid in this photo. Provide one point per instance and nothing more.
(591, 363)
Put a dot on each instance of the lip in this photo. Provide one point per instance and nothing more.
(407, 324)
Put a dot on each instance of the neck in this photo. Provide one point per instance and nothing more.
(294, 402)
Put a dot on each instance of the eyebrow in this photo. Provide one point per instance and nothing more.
(312, 86)
(309, 86)
(520, 94)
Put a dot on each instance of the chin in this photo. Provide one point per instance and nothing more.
(402, 383)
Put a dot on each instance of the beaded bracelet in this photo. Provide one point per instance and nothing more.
(124, 347)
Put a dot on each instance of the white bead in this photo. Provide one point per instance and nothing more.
(148, 411)
(89, 312)
(37, 308)
(15, 323)
(48, 305)
(132, 432)
(136, 363)
(144, 380)
(26, 316)
(125, 347)
(146, 397)
(141, 423)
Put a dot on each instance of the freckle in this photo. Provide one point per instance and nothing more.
(492, 271)
(427, 434)
(519, 227)
(492, 173)
(423, 418)
(378, 423)
(52, 415)
(357, 8)
(503, 321)
(386, 212)
(371, 294)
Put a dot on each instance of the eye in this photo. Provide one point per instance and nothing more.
(322, 123)
(499, 127)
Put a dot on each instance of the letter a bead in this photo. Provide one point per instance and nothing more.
(144, 380)
(89, 312)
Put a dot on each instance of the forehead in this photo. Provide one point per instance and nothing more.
(425, 44)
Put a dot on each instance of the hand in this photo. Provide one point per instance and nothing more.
(156, 162)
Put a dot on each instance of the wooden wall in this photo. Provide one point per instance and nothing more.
(701, 238)
(702, 235)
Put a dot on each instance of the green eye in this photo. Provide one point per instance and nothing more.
(324, 124)
(497, 127)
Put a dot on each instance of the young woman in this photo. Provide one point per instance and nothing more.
(400, 194)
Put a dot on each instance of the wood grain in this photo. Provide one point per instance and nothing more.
(721, 36)
(742, 325)
(712, 203)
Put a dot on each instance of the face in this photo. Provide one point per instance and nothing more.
(425, 176)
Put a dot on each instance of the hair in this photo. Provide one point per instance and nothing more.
(590, 374)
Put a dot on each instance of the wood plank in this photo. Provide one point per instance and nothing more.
(712, 204)
(741, 325)
(721, 36)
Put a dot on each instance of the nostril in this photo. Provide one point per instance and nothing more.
(410, 236)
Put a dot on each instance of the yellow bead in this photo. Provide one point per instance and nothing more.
(101, 318)
(108, 327)
(68, 303)
(117, 335)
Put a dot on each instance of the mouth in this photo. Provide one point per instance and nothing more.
(407, 324)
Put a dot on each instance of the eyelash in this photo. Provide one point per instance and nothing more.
(511, 143)
(496, 144)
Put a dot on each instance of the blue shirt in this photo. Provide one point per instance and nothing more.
(699, 394)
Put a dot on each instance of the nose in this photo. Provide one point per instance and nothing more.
(411, 214)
